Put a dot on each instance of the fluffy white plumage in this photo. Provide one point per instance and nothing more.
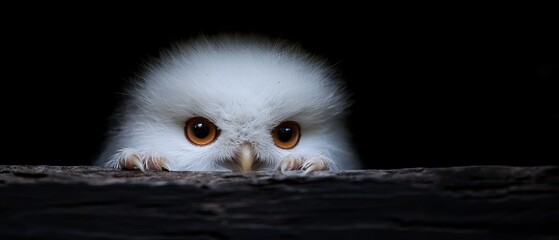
(249, 88)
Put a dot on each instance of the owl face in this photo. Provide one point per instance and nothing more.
(233, 104)
(247, 153)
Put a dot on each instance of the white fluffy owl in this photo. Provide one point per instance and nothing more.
(233, 103)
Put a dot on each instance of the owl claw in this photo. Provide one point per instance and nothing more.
(165, 166)
(132, 162)
(309, 165)
(131, 159)
(318, 163)
(157, 163)
(291, 162)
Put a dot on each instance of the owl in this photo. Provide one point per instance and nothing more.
(233, 103)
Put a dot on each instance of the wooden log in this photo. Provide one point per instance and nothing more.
(469, 202)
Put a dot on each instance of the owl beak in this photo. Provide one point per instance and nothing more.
(245, 157)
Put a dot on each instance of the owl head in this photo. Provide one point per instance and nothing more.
(208, 103)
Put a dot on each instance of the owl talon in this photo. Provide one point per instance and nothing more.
(157, 163)
(165, 167)
(131, 159)
(318, 163)
(291, 162)
(287, 165)
(306, 165)
(132, 162)
(309, 165)
(309, 170)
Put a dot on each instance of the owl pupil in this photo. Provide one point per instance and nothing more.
(200, 130)
(284, 134)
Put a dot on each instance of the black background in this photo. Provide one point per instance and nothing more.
(430, 89)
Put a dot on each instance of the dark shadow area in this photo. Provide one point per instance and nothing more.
(427, 93)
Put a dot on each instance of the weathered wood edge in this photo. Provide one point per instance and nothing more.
(94, 175)
(468, 202)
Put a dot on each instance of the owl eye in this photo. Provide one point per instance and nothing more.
(200, 131)
(286, 135)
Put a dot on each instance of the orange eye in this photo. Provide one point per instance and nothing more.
(286, 135)
(200, 131)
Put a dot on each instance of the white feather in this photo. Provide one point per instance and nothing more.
(245, 86)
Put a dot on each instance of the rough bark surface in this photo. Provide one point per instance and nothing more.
(470, 202)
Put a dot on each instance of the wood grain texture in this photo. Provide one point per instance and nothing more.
(470, 202)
